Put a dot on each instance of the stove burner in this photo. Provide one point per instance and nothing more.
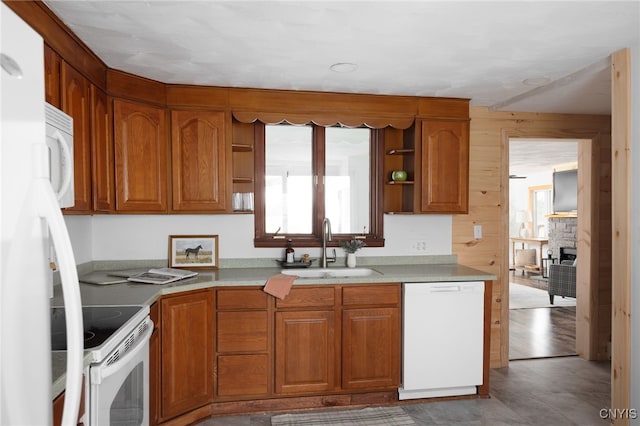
(99, 322)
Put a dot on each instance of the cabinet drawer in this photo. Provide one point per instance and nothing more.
(242, 331)
(241, 299)
(379, 294)
(243, 375)
(308, 297)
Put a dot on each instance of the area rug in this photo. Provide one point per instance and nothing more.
(524, 297)
(375, 416)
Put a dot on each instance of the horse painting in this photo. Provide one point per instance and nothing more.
(194, 250)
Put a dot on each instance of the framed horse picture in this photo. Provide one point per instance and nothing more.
(193, 251)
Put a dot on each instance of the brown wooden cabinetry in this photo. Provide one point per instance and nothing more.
(199, 161)
(243, 170)
(51, 76)
(140, 139)
(445, 166)
(102, 166)
(305, 341)
(76, 102)
(371, 337)
(435, 155)
(187, 338)
(243, 349)
(305, 351)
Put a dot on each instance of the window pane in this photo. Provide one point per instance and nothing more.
(347, 191)
(288, 179)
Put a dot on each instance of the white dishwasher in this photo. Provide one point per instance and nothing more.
(442, 332)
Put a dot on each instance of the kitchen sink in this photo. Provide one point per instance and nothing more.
(332, 272)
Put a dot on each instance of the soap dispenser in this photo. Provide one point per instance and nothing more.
(289, 252)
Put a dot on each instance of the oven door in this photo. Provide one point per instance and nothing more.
(119, 389)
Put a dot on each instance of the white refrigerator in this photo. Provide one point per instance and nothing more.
(30, 223)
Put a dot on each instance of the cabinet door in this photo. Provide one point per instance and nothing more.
(75, 102)
(51, 76)
(187, 352)
(445, 166)
(305, 351)
(102, 148)
(141, 157)
(370, 348)
(199, 161)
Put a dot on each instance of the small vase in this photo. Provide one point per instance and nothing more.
(351, 260)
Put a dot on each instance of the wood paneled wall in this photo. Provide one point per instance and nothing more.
(621, 366)
(488, 206)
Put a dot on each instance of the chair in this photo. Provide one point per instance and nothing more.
(562, 280)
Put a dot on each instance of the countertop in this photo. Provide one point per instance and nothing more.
(146, 294)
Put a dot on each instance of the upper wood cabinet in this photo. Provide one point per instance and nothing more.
(200, 161)
(187, 352)
(445, 166)
(140, 144)
(76, 102)
(102, 166)
(435, 155)
(51, 76)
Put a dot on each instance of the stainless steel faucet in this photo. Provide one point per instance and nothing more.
(326, 236)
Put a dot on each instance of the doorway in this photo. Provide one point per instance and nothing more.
(539, 328)
(593, 282)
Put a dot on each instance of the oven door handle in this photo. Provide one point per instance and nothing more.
(99, 373)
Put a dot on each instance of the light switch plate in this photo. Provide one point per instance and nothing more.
(477, 232)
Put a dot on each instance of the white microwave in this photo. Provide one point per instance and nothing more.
(59, 130)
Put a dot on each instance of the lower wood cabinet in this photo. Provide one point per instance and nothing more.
(370, 348)
(305, 351)
(371, 336)
(249, 348)
(187, 353)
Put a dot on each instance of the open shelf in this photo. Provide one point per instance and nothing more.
(239, 147)
(400, 182)
(401, 151)
(242, 180)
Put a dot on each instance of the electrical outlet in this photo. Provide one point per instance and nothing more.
(477, 232)
(419, 246)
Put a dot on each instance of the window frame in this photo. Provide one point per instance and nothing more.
(374, 236)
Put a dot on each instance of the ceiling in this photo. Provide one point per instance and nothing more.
(511, 56)
(506, 55)
(531, 156)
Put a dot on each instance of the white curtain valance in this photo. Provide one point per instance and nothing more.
(325, 119)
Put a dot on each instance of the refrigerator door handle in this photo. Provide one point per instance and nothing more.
(48, 209)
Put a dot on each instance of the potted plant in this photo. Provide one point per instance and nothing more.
(351, 247)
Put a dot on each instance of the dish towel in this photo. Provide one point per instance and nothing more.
(279, 285)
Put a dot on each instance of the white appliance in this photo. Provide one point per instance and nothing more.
(119, 383)
(116, 339)
(442, 346)
(59, 137)
(29, 216)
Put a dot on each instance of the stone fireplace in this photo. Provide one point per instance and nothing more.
(562, 233)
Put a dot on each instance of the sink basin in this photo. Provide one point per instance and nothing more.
(331, 272)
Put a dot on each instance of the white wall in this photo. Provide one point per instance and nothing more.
(519, 197)
(131, 237)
